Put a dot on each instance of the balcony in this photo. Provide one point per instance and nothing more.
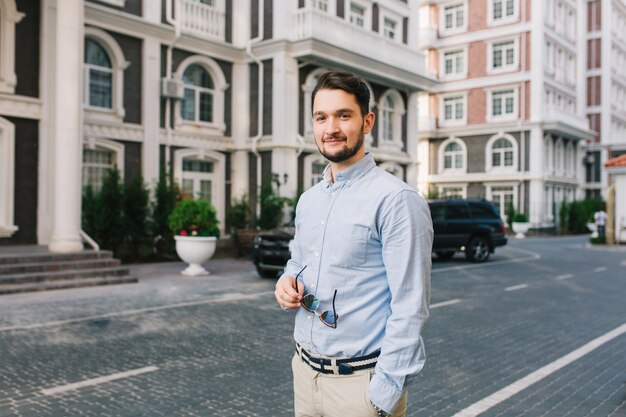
(313, 24)
(201, 19)
(565, 122)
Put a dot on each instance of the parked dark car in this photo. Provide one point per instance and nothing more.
(471, 226)
(270, 251)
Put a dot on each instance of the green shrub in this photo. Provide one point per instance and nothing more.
(165, 197)
(271, 208)
(520, 218)
(136, 211)
(109, 218)
(239, 215)
(194, 218)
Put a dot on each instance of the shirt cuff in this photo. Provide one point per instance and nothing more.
(384, 394)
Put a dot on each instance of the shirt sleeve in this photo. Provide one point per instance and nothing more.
(406, 234)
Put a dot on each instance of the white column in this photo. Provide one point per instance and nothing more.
(150, 110)
(240, 90)
(412, 140)
(423, 146)
(536, 163)
(285, 113)
(68, 127)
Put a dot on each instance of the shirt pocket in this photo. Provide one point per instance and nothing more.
(350, 250)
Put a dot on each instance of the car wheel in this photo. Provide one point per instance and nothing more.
(478, 249)
(447, 254)
(266, 273)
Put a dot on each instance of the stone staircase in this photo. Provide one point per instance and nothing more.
(33, 268)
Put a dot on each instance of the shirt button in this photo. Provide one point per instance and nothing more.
(317, 254)
(308, 317)
(322, 221)
(333, 193)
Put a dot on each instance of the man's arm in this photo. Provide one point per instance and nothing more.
(406, 236)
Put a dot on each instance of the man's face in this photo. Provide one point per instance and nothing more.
(338, 126)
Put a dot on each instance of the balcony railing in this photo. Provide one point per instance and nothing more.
(555, 114)
(311, 23)
(201, 19)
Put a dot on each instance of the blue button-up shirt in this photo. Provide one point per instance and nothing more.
(369, 236)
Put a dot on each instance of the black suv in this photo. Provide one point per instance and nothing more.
(472, 226)
(270, 251)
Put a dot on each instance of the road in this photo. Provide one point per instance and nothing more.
(539, 330)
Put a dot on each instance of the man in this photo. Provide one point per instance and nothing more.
(600, 220)
(359, 275)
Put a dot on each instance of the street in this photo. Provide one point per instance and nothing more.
(538, 330)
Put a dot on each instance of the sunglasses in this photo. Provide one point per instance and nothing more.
(311, 303)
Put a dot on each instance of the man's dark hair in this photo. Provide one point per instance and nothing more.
(348, 82)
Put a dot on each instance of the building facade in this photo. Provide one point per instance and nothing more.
(605, 37)
(508, 121)
(216, 92)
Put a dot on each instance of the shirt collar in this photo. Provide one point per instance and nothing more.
(353, 172)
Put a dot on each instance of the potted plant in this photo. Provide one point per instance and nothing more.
(196, 229)
(520, 225)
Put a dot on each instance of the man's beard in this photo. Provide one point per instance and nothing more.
(345, 153)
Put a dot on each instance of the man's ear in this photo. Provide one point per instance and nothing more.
(368, 122)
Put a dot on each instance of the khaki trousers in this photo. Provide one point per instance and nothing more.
(329, 395)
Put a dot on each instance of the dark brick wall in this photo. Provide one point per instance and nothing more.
(229, 22)
(254, 18)
(375, 17)
(27, 49)
(131, 6)
(268, 23)
(132, 160)
(267, 98)
(132, 48)
(26, 182)
(254, 99)
(341, 8)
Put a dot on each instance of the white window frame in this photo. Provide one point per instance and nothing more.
(452, 122)
(491, 21)
(489, 151)
(441, 155)
(115, 147)
(399, 21)
(330, 5)
(118, 3)
(9, 18)
(118, 65)
(7, 178)
(218, 191)
(218, 126)
(396, 119)
(511, 91)
(549, 154)
(489, 193)
(442, 187)
(367, 12)
(456, 74)
(504, 67)
(442, 19)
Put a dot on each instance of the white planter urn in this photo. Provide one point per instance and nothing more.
(520, 229)
(593, 229)
(195, 250)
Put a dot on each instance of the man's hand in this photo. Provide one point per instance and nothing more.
(287, 296)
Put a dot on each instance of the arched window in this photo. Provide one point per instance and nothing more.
(452, 156)
(100, 156)
(98, 76)
(104, 76)
(391, 111)
(197, 105)
(501, 153)
(549, 154)
(559, 156)
(9, 16)
(203, 102)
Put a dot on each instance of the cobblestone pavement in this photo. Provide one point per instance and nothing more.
(506, 338)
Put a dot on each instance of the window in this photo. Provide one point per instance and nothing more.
(202, 106)
(503, 103)
(503, 10)
(503, 198)
(103, 77)
(317, 169)
(7, 172)
(454, 17)
(387, 113)
(357, 15)
(502, 153)
(456, 211)
(452, 192)
(100, 156)
(9, 16)
(391, 111)
(197, 179)
(198, 102)
(454, 108)
(503, 55)
(454, 62)
(98, 75)
(321, 5)
(390, 28)
(452, 157)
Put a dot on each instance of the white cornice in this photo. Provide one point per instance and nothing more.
(20, 106)
(481, 35)
(124, 131)
(482, 82)
(190, 140)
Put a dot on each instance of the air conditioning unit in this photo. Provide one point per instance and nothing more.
(171, 88)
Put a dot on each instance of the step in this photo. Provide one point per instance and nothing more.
(33, 277)
(22, 268)
(65, 284)
(29, 258)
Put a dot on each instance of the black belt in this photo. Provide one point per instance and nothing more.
(338, 366)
